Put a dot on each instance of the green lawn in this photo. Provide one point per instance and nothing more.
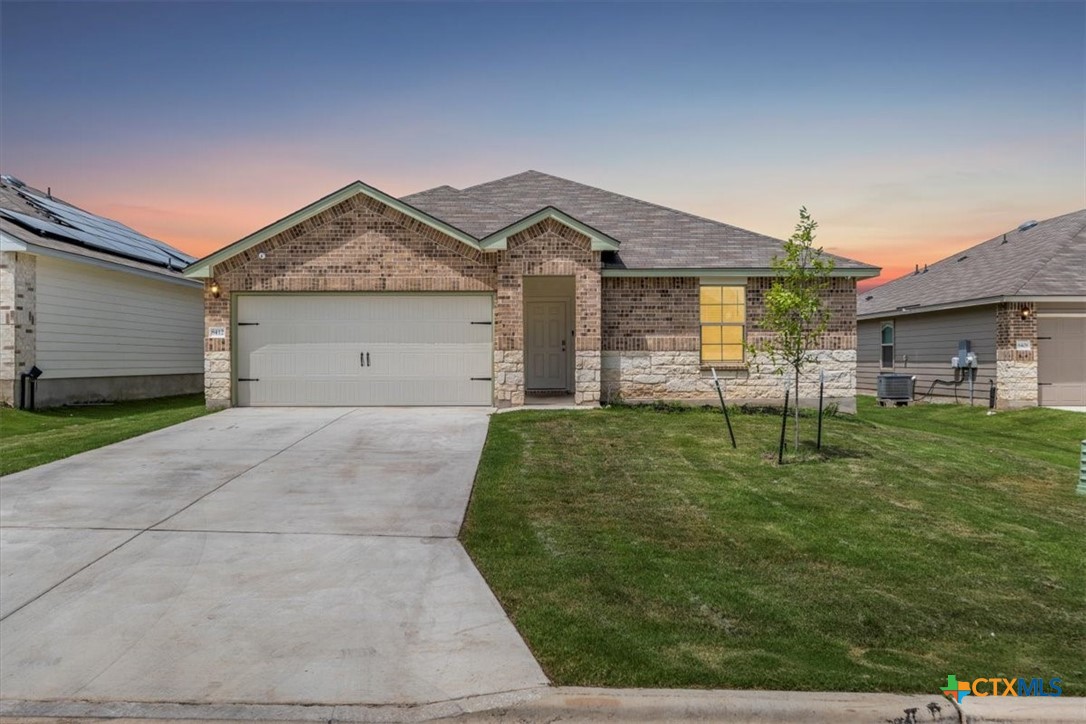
(28, 439)
(634, 547)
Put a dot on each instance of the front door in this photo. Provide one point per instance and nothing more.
(547, 343)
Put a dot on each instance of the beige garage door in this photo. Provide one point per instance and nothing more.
(1061, 351)
(364, 349)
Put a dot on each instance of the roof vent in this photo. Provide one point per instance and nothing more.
(12, 181)
(963, 258)
(1026, 225)
(869, 297)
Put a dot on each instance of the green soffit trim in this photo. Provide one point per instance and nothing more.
(201, 269)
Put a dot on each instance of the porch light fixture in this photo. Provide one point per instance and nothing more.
(214, 289)
(1027, 312)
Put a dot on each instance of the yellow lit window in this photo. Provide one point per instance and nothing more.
(723, 322)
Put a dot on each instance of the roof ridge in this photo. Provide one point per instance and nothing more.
(1069, 240)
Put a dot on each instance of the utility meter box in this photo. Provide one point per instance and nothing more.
(965, 358)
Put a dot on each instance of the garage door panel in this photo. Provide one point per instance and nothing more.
(365, 350)
(1061, 349)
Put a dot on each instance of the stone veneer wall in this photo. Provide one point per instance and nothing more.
(652, 337)
(1016, 372)
(546, 249)
(17, 312)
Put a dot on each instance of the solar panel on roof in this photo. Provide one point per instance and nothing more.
(88, 221)
(46, 227)
(98, 232)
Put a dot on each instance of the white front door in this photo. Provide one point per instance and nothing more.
(547, 343)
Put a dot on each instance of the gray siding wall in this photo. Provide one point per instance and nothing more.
(923, 346)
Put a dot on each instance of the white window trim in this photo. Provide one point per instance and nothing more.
(892, 345)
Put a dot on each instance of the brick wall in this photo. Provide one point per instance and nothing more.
(547, 249)
(362, 245)
(653, 353)
(635, 338)
(17, 321)
(839, 298)
(357, 246)
(651, 314)
(1016, 372)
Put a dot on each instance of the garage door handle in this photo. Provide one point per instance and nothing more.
(364, 359)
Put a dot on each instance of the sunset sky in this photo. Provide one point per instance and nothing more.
(909, 130)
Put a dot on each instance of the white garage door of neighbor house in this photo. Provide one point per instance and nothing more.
(364, 349)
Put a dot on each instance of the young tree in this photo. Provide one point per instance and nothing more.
(795, 314)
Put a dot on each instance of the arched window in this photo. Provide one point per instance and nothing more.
(888, 345)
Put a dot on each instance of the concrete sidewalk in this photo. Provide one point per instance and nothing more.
(573, 704)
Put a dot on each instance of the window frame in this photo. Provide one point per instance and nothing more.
(742, 325)
(883, 345)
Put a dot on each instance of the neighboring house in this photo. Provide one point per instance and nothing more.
(100, 309)
(491, 295)
(1020, 300)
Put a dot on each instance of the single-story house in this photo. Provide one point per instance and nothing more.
(499, 294)
(102, 311)
(1020, 301)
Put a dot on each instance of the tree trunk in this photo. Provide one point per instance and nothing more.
(797, 409)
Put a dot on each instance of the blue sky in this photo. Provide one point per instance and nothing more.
(909, 129)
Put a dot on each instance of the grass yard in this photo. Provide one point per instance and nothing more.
(28, 439)
(634, 547)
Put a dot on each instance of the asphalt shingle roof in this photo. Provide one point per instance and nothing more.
(462, 210)
(650, 236)
(1048, 259)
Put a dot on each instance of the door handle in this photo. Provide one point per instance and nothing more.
(364, 359)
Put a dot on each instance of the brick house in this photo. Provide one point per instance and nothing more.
(515, 291)
(1018, 298)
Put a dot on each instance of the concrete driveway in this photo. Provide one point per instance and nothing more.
(255, 556)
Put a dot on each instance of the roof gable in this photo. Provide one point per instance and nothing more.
(500, 238)
(202, 268)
